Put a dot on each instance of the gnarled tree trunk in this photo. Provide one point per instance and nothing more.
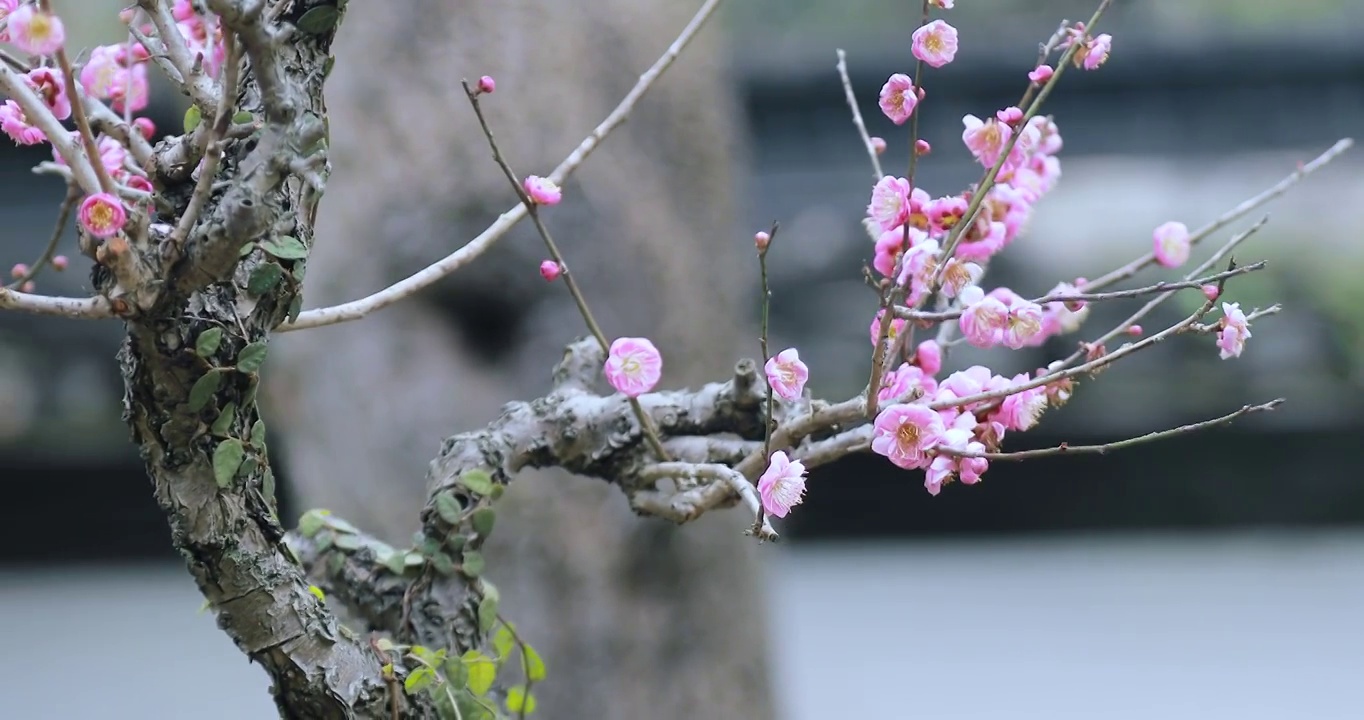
(635, 618)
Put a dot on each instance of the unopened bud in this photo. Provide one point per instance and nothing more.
(878, 144)
(550, 270)
(487, 84)
(1010, 115)
(1041, 74)
(60, 263)
(144, 127)
(1134, 330)
(1210, 292)
(762, 240)
(19, 270)
(921, 147)
(28, 287)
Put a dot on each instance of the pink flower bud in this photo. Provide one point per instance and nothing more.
(1041, 74)
(761, 240)
(487, 84)
(19, 270)
(60, 263)
(550, 270)
(921, 147)
(1010, 115)
(144, 127)
(1134, 330)
(28, 287)
(1210, 291)
(878, 144)
(542, 191)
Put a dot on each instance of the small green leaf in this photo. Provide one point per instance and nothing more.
(478, 481)
(393, 560)
(448, 507)
(258, 433)
(482, 671)
(192, 118)
(204, 388)
(412, 558)
(385, 645)
(340, 524)
(325, 540)
(487, 613)
(519, 700)
(252, 387)
(427, 655)
(208, 341)
(295, 307)
(535, 666)
(249, 467)
(300, 269)
(456, 543)
(483, 520)
(311, 522)
(264, 278)
(223, 424)
(246, 250)
(315, 590)
(250, 358)
(473, 563)
(503, 641)
(243, 117)
(347, 541)
(267, 488)
(319, 20)
(227, 457)
(497, 492)
(443, 564)
(455, 673)
(419, 680)
(285, 247)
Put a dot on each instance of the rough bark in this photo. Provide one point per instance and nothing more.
(222, 518)
(624, 610)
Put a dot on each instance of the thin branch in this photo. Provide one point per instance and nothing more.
(37, 113)
(213, 152)
(857, 115)
(91, 308)
(357, 309)
(1064, 449)
(63, 215)
(201, 88)
(645, 423)
(1229, 216)
(937, 317)
(87, 136)
(1155, 302)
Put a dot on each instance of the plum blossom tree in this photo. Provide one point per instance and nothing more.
(198, 245)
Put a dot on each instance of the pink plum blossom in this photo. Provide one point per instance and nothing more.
(15, 124)
(633, 366)
(897, 384)
(945, 467)
(905, 433)
(49, 84)
(898, 98)
(889, 206)
(944, 213)
(1172, 244)
(782, 484)
(36, 32)
(1024, 323)
(6, 7)
(935, 43)
(986, 139)
(1095, 52)
(542, 191)
(1231, 340)
(102, 215)
(1021, 410)
(984, 318)
(786, 374)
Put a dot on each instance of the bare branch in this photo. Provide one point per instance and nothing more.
(92, 308)
(857, 115)
(1229, 216)
(356, 309)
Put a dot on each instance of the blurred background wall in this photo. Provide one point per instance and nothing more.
(1219, 575)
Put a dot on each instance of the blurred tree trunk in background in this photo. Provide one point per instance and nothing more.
(635, 618)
